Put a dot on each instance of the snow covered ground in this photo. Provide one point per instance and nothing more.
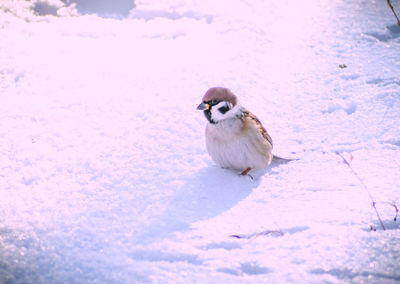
(104, 175)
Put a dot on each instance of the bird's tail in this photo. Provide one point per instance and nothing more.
(282, 159)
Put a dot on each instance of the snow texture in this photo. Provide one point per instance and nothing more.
(104, 175)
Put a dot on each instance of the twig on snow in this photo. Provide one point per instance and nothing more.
(397, 212)
(366, 189)
(263, 233)
(396, 209)
(394, 13)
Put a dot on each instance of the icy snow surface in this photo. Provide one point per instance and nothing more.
(104, 175)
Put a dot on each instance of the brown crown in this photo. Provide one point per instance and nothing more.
(220, 94)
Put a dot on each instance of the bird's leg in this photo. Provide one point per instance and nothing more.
(246, 173)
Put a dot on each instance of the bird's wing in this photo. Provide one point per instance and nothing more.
(248, 115)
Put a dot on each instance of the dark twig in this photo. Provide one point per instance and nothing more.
(397, 211)
(394, 13)
(365, 187)
(263, 233)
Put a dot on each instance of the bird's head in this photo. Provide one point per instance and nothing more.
(219, 104)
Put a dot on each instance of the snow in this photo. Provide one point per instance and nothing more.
(104, 175)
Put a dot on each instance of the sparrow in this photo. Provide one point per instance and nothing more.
(235, 138)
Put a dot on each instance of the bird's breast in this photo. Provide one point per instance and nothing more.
(234, 147)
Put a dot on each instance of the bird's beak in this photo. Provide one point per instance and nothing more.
(203, 106)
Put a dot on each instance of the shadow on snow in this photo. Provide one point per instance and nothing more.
(209, 193)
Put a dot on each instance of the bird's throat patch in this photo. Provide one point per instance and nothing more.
(207, 114)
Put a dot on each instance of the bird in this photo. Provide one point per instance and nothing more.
(235, 138)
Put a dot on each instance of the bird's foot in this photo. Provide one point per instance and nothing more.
(246, 173)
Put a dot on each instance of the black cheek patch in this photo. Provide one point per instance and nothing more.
(207, 113)
(223, 109)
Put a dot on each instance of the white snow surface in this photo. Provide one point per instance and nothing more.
(104, 174)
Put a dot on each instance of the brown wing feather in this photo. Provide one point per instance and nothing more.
(249, 115)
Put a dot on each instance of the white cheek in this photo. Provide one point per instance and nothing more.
(217, 115)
